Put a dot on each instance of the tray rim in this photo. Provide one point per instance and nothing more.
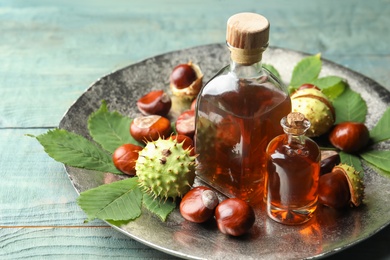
(385, 97)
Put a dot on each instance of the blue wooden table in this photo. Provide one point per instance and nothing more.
(51, 51)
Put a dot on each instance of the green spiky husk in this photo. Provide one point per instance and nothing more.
(165, 169)
(316, 107)
(355, 182)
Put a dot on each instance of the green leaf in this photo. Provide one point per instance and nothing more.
(117, 201)
(75, 150)
(351, 160)
(350, 106)
(162, 208)
(110, 129)
(381, 130)
(378, 158)
(272, 69)
(306, 70)
(331, 86)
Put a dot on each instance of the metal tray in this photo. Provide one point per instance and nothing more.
(327, 233)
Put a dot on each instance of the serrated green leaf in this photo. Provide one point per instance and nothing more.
(378, 158)
(351, 160)
(350, 106)
(381, 130)
(110, 129)
(160, 207)
(331, 86)
(306, 70)
(272, 69)
(75, 150)
(117, 201)
(173, 126)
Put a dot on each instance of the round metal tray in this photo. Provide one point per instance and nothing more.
(327, 233)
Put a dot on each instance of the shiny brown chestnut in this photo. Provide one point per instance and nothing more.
(125, 157)
(186, 80)
(185, 123)
(350, 137)
(234, 217)
(150, 128)
(307, 85)
(198, 204)
(329, 159)
(333, 190)
(183, 75)
(188, 143)
(156, 102)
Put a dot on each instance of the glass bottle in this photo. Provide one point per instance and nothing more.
(293, 169)
(238, 113)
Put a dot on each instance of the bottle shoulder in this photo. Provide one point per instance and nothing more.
(228, 80)
(281, 145)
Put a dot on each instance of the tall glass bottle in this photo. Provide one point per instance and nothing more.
(238, 113)
(293, 169)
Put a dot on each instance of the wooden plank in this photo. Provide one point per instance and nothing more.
(51, 51)
(105, 242)
(72, 243)
(35, 189)
(39, 215)
(54, 51)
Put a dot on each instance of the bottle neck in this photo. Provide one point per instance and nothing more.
(246, 63)
(246, 56)
(295, 140)
(246, 71)
(295, 126)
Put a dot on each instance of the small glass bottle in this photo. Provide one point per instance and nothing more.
(293, 169)
(238, 113)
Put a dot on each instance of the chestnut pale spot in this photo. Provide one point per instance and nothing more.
(165, 98)
(198, 204)
(210, 199)
(146, 121)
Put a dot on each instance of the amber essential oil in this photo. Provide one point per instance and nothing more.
(238, 113)
(233, 131)
(292, 175)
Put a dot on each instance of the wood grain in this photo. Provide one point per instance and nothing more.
(51, 51)
(78, 243)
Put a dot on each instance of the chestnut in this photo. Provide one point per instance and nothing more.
(150, 128)
(186, 80)
(188, 143)
(185, 123)
(183, 75)
(307, 85)
(333, 190)
(156, 102)
(329, 159)
(193, 104)
(198, 204)
(124, 158)
(234, 217)
(350, 137)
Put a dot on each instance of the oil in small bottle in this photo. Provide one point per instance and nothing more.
(292, 173)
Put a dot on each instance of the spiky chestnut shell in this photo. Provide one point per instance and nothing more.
(355, 182)
(316, 107)
(165, 169)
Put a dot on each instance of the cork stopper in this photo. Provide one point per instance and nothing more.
(247, 37)
(295, 123)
